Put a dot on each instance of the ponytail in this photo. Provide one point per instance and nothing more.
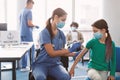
(48, 26)
(108, 43)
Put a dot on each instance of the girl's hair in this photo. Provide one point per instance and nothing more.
(59, 12)
(102, 24)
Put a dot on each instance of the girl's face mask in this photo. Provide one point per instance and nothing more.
(98, 35)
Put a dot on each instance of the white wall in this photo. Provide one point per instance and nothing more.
(20, 5)
(11, 14)
(111, 12)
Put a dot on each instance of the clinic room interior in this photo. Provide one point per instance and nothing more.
(30, 27)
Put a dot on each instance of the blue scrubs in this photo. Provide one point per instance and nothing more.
(46, 65)
(26, 34)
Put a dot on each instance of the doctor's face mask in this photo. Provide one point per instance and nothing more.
(60, 24)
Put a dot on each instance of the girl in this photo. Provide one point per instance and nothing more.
(102, 54)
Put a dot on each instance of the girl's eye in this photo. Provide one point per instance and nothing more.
(95, 31)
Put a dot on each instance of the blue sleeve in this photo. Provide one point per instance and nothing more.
(29, 16)
(45, 37)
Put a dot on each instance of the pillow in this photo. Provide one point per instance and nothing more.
(117, 59)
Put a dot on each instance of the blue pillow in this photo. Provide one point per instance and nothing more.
(117, 59)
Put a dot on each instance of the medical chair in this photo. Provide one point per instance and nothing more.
(117, 59)
(117, 62)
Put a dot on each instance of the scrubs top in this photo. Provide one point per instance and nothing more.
(58, 43)
(25, 30)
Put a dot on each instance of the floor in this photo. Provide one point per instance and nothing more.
(80, 72)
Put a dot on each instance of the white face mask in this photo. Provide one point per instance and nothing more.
(73, 28)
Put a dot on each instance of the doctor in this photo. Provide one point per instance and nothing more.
(52, 41)
(26, 27)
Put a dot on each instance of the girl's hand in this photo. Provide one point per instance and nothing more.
(71, 72)
(111, 78)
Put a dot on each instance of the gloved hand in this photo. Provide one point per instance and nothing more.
(37, 27)
(74, 47)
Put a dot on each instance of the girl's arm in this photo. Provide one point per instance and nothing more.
(77, 60)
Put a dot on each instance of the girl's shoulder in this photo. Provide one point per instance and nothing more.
(91, 43)
(93, 40)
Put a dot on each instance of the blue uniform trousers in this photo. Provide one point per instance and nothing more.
(25, 60)
(41, 71)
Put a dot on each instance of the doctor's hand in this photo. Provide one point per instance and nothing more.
(74, 47)
(70, 54)
(67, 53)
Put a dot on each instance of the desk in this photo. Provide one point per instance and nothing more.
(13, 53)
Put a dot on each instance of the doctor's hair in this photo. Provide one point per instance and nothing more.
(30, 1)
(102, 24)
(59, 12)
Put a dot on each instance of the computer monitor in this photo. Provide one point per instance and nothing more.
(3, 26)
